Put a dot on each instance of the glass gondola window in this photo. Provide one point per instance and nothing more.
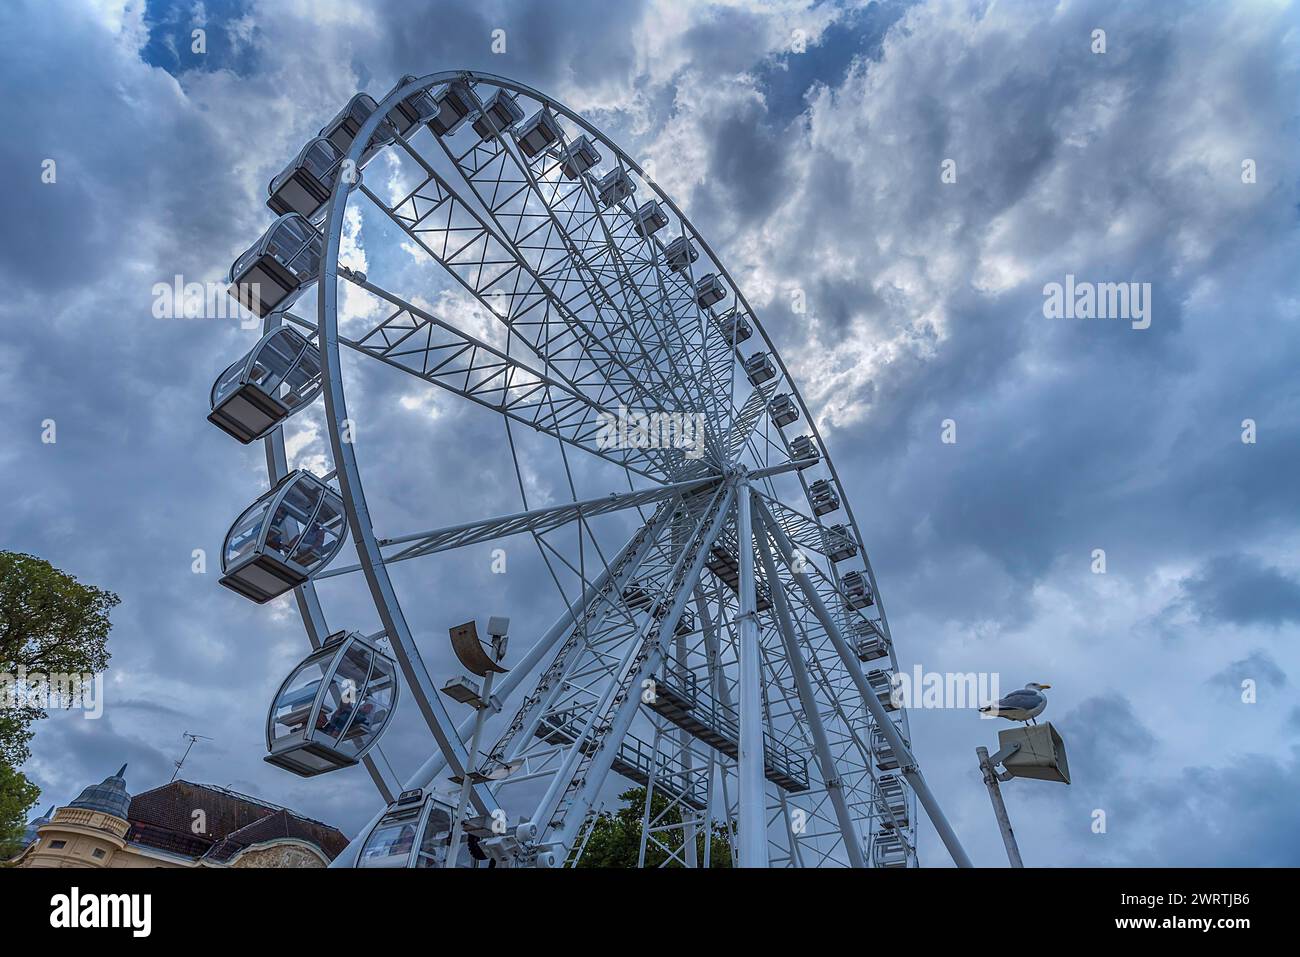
(580, 156)
(732, 325)
(392, 840)
(274, 379)
(782, 410)
(413, 110)
(332, 708)
(244, 535)
(680, 253)
(804, 450)
(305, 184)
(649, 218)
(345, 126)
(275, 270)
(537, 133)
(709, 291)
(453, 105)
(499, 115)
(435, 839)
(321, 535)
(288, 534)
(414, 832)
(293, 705)
(616, 186)
(759, 368)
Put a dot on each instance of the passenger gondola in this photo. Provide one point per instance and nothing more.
(273, 380)
(279, 267)
(332, 708)
(291, 532)
(347, 123)
(416, 832)
(304, 186)
(782, 410)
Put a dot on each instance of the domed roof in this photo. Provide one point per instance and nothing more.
(108, 797)
(35, 824)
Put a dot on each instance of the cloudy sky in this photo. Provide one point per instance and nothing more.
(808, 142)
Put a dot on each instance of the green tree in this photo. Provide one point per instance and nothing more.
(17, 795)
(616, 837)
(50, 624)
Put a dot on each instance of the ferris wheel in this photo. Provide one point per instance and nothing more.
(721, 641)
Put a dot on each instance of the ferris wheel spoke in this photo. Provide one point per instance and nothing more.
(489, 157)
(569, 298)
(536, 227)
(418, 343)
(453, 234)
(745, 424)
(806, 531)
(420, 544)
(622, 264)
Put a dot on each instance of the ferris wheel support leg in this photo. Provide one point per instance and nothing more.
(794, 657)
(907, 761)
(598, 770)
(753, 785)
(687, 758)
(717, 765)
(425, 774)
(649, 800)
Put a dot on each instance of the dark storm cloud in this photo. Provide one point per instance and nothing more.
(1241, 814)
(1257, 667)
(1241, 589)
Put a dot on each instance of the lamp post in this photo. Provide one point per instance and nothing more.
(1025, 752)
(999, 807)
(484, 663)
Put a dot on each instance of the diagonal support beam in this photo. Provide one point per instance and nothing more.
(807, 698)
(907, 761)
(623, 715)
(429, 771)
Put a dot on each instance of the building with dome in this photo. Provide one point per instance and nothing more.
(34, 825)
(180, 824)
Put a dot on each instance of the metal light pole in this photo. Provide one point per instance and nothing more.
(999, 807)
(487, 665)
(466, 783)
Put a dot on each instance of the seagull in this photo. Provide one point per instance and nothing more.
(1023, 705)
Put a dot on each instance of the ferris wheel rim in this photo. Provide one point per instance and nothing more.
(383, 592)
(333, 227)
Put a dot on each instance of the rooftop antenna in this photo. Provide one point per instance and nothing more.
(193, 739)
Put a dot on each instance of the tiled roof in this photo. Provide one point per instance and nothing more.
(165, 818)
(281, 824)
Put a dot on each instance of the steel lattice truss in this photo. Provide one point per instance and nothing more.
(589, 314)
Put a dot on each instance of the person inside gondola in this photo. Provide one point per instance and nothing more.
(311, 547)
(339, 720)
